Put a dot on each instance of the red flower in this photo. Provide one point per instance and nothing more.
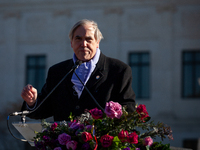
(106, 140)
(132, 138)
(123, 135)
(141, 109)
(54, 126)
(86, 136)
(96, 113)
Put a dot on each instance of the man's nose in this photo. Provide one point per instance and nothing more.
(84, 43)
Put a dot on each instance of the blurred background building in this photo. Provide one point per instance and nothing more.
(160, 40)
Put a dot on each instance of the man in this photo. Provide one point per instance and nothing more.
(106, 78)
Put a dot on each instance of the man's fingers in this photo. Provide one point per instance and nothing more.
(29, 94)
(26, 93)
(29, 87)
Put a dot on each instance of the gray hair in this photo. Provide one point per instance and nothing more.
(97, 34)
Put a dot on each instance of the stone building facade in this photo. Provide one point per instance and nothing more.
(162, 29)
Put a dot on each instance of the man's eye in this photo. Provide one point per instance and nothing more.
(77, 38)
(89, 39)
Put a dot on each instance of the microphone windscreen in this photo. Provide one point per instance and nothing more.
(78, 62)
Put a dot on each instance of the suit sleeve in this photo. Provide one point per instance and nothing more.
(125, 93)
(43, 108)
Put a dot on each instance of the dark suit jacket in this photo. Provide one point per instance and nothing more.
(110, 81)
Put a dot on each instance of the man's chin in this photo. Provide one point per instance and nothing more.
(84, 59)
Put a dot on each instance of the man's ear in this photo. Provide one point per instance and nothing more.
(71, 44)
(98, 43)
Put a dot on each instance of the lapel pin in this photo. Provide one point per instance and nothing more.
(97, 77)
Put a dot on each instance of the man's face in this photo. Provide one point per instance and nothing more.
(84, 43)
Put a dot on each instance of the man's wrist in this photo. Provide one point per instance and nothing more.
(31, 106)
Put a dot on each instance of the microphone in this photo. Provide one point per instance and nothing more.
(19, 113)
(76, 65)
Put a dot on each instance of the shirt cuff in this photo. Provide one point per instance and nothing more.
(31, 108)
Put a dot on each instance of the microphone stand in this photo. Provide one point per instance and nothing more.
(89, 92)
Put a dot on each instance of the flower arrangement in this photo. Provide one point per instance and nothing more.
(114, 129)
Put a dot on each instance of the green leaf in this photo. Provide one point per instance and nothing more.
(147, 119)
(147, 147)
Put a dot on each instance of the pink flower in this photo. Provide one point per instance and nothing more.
(137, 149)
(113, 110)
(132, 138)
(53, 126)
(86, 136)
(106, 140)
(72, 145)
(96, 113)
(141, 109)
(148, 141)
(57, 148)
(123, 135)
(74, 125)
(63, 138)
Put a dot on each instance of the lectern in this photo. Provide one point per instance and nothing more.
(27, 130)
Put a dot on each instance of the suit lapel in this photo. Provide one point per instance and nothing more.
(95, 78)
(97, 75)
